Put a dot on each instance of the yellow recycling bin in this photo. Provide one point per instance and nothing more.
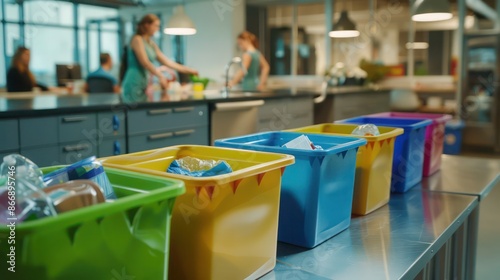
(224, 226)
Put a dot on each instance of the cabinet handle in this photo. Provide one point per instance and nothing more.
(116, 123)
(184, 132)
(160, 112)
(74, 119)
(160, 136)
(76, 148)
(183, 109)
(117, 149)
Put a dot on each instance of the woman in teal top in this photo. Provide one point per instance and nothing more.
(140, 57)
(254, 62)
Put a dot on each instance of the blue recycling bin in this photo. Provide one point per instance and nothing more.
(317, 191)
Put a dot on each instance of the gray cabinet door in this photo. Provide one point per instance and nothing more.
(10, 135)
(112, 146)
(38, 131)
(160, 119)
(43, 156)
(111, 124)
(189, 135)
(77, 127)
(75, 151)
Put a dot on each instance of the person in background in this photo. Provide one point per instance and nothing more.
(254, 62)
(142, 52)
(19, 76)
(104, 72)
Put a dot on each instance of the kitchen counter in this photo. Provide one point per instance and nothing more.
(27, 104)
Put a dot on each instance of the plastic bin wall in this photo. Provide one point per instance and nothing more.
(372, 185)
(408, 161)
(317, 191)
(225, 226)
(434, 137)
(125, 238)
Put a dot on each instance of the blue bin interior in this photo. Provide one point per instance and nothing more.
(391, 122)
(273, 142)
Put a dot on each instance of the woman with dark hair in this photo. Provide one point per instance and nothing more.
(140, 56)
(254, 62)
(19, 76)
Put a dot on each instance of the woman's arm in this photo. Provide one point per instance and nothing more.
(140, 52)
(163, 59)
(264, 72)
(246, 59)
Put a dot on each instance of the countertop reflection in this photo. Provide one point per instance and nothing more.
(393, 242)
(464, 175)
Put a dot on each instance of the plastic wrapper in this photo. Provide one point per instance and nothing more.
(303, 143)
(195, 167)
(366, 130)
(87, 169)
(21, 192)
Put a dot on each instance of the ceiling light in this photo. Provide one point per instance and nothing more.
(180, 23)
(344, 28)
(431, 10)
(417, 45)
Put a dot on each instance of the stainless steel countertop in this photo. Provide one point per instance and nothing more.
(464, 175)
(395, 241)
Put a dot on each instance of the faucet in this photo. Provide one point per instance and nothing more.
(235, 60)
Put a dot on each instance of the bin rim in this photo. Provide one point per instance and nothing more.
(417, 123)
(350, 143)
(78, 216)
(436, 118)
(282, 160)
(396, 131)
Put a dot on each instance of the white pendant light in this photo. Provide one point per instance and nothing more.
(431, 10)
(344, 28)
(180, 23)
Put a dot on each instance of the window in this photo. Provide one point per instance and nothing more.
(3, 66)
(11, 11)
(109, 44)
(13, 39)
(45, 54)
(87, 12)
(48, 12)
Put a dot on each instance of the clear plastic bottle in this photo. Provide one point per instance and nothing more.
(21, 181)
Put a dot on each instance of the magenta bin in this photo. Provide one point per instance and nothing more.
(434, 137)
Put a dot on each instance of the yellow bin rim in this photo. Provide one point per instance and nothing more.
(267, 162)
(346, 129)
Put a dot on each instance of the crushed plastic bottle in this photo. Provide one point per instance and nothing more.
(195, 167)
(21, 181)
(366, 130)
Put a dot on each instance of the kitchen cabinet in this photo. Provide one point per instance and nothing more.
(194, 135)
(352, 104)
(10, 135)
(160, 127)
(285, 113)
